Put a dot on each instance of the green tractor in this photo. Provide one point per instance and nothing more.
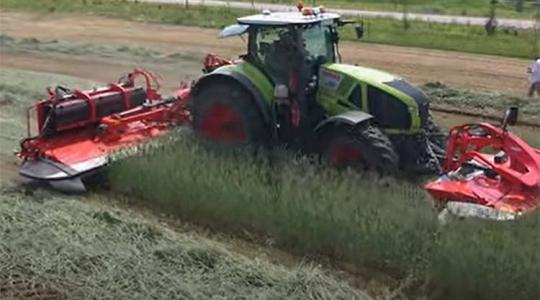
(291, 89)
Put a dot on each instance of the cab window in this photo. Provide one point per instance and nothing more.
(356, 96)
(317, 39)
(388, 110)
(274, 48)
(266, 41)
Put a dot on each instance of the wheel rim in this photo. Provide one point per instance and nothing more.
(341, 155)
(221, 123)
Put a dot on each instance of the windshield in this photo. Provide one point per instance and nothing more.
(318, 41)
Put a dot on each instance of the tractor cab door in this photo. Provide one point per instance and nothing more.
(291, 55)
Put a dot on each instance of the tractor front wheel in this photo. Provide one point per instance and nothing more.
(224, 113)
(363, 147)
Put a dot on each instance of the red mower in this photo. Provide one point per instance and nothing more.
(488, 173)
(77, 130)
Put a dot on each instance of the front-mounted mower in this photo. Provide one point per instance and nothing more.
(488, 172)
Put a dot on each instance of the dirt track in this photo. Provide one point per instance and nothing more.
(419, 65)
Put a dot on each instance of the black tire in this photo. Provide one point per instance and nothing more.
(377, 152)
(238, 102)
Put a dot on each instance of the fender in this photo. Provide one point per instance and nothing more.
(243, 81)
(350, 118)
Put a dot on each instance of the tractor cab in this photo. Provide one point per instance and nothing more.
(281, 43)
(285, 43)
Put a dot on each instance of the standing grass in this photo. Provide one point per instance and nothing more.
(444, 7)
(382, 225)
(203, 16)
(455, 37)
(386, 31)
(488, 260)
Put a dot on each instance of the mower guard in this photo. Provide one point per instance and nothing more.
(49, 170)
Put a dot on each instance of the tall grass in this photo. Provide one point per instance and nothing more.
(280, 201)
(387, 31)
(382, 224)
(479, 260)
(455, 37)
(454, 7)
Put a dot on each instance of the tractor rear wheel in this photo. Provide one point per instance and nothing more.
(363, 147)
(224, 113)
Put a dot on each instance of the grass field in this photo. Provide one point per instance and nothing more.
(382, 225)
(481, 102)
(450, 7)
(387, 226)
(75, 248)
(286, 203)
(122, 52)
(386, 31)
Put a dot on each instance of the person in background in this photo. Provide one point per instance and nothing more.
(534, 77)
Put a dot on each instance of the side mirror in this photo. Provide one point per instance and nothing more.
(359, 29)
(510, 117)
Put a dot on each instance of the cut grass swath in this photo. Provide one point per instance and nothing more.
(61, 247)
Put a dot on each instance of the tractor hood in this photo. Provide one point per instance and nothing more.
(371, 76)
(368, 88)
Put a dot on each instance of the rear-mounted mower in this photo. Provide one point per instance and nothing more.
(78, 130)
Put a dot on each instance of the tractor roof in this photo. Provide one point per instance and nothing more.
(286, 18)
